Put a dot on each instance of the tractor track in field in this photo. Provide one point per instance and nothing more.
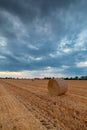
(37, 105)
(13, 114)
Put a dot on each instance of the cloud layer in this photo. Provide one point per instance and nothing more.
(43, 36)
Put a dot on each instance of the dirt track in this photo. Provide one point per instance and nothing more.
(26, 105)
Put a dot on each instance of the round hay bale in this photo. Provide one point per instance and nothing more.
(57, 87)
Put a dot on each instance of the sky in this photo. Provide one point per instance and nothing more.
(42, 38)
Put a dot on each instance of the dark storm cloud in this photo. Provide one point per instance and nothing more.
(29, 9)
(36, 34)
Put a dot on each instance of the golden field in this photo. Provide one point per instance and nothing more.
(26, 105)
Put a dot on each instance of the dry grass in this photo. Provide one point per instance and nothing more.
(26, 105)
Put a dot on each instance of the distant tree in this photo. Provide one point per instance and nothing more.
(47, 78)
(66, 78)
(83, 78)
(71, 78)
(76, 78)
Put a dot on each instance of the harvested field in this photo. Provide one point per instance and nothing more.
(26, 105)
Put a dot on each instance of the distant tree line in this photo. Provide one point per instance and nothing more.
(8, 78)
(48, 78)
(76, 78)
(70, 78)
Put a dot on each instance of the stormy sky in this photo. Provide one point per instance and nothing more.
(43, 38)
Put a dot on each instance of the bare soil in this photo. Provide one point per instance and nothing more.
(26, 105)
